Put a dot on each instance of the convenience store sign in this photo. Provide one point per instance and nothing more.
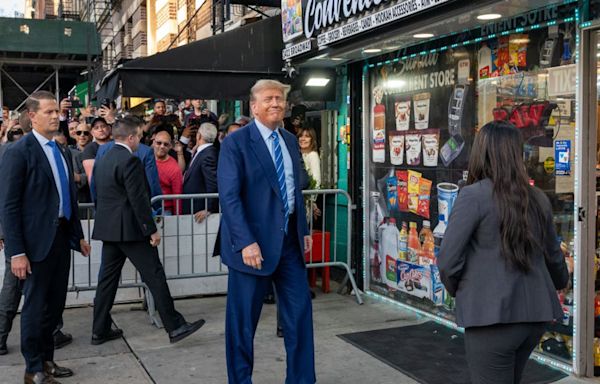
(318, 15)
(394, 13)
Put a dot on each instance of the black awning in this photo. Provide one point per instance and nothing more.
(224, 66)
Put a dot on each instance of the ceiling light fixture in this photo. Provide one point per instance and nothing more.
(372, 50)
(489, 16)
(336, 59)
(317, 82)
(423, 35)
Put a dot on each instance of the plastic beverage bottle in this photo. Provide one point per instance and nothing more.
(428, 245)
(390, 240)
(414, 245)
(403, 255)
(438, 234)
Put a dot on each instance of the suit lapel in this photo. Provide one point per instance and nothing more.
(264, 157)
(195, 160)
(40, 156)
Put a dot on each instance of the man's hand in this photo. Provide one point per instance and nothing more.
(308, 242)
(20, 267)
(200, 216)
(316, 211)
(1, 244)
(252, 256)
(86, 249)
(155, 239)
(65, 105)
(108, 113)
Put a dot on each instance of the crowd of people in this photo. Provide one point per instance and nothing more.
(178, 153)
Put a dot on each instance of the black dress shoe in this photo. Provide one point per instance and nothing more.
(62, 339)
(51, 369)
(279, 332)
(112, 334)
(39, 378)
(269, 299)
(185, 330)
(3, 349)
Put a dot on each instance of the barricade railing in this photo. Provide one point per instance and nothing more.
(189, 238)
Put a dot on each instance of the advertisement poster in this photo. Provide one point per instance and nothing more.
(291, 19)
(562, 156)
(420, 134)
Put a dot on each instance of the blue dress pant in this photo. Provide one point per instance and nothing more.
(244, 304)
(45, 291)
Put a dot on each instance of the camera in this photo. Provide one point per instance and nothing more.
(106, 102)
(75, 103)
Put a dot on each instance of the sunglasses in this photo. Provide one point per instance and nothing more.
(84, 133)
(161, 144)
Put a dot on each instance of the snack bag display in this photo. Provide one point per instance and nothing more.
(402, 190)
(424, 198)
(413, 190)
(421, 107)
(392, 193)
(517, 48)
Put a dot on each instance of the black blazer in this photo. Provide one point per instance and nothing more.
(29, 201)
(488, 290)
(201, 177)
(123, 211)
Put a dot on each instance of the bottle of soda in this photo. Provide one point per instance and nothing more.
(414, 246)
(427, 256)
(403, 255)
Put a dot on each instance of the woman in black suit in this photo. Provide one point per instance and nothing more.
(501, 259)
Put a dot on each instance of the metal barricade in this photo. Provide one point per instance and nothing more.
(187, 248)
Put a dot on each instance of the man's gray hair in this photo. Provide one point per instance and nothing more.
(208, 131)
(263, 84)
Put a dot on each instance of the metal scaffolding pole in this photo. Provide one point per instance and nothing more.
(1, 90)
(57, 86)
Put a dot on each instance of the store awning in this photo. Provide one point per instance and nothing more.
(224, 66)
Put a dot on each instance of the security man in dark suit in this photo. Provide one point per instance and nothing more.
(124, 223)
(39, 211)
(201, 176)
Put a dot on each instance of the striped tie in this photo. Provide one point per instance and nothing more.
(281, 175)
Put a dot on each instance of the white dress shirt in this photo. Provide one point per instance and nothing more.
(288, 166)
(125, 146)
(50, 156)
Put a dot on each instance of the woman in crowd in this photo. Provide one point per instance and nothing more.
(83, 135)
(307, 138)
(501, 259)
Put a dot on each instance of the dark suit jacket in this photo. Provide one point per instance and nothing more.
(29, 201)
(488, 290)
(201, 177)
(123, 211)
(252, 209)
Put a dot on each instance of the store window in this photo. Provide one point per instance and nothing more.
(424, 111)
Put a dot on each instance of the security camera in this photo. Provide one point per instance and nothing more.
(290, 71)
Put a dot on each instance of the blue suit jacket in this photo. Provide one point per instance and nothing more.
(146, 155)
(252, 209)
(29, 201)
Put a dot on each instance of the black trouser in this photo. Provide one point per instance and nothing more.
(45, 291)
(10, 297)
(145, 259)
(498, 353)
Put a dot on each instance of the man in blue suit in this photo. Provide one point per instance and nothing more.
(38, 208)
(263, 234)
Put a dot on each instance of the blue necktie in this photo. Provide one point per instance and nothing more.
(64, 180)
(281, 175)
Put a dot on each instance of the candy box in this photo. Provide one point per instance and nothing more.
(413, 279)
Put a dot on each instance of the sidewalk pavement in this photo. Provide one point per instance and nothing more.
(144, 355)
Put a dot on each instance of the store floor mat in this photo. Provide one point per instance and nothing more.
(432, 354)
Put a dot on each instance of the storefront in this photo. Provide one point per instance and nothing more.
(423, 77)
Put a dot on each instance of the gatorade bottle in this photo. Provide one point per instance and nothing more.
(427, 256)
(414, 246)
(403, 255)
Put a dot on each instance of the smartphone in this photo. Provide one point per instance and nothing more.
(76, 103)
